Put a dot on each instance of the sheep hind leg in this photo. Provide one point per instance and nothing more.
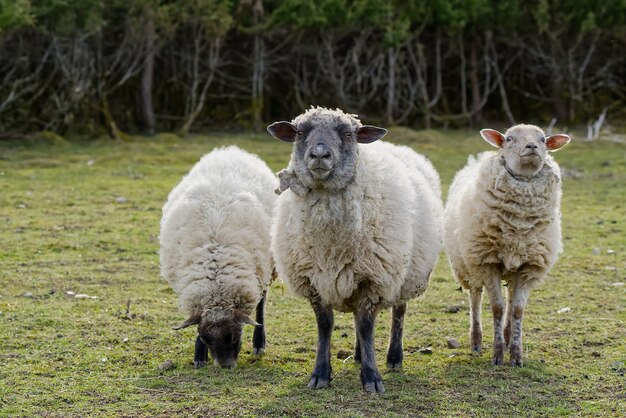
(258, 336)
(370, 377)
(201, 354)
(497, 309)
(394, 353)
(519, 304)
(320, 378)
(357, 345)
(476, 331)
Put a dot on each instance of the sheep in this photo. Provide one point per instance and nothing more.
(357, 228)
(502, 221)
(215, 250)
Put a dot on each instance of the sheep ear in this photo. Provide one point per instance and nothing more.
(492, 136)
(193, 320)
(244, 318)
(367, 134)
(555, 142)
(284, 131)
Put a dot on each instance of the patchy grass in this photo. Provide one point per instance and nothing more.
(63, 228)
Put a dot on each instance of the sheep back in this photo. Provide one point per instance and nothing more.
(215, 232)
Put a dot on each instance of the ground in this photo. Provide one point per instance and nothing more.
(84, 218)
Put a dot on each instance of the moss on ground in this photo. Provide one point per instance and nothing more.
(84, 218)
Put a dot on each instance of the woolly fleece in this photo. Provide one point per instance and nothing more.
(215, 233)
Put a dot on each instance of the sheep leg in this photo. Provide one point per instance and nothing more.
(497, 309)
(520, 300)
(320, 378)
(258, 336)
(510, 296)
(201, 354)
(357, 345)
(370, 377)
(476, 331)
(394, 354)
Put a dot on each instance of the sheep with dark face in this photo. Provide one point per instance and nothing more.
(357, 229)
(502, 222)
(215, 250)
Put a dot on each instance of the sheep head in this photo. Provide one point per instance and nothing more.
(325, 149)
(221, 332)
(524, 147)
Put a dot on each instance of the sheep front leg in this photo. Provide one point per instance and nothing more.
(497, 309)
(320, 378)
(394, 354)
(201, 354)
(258, 336)
(510, 296)
(521, 294)
(476, 330)
(370, 377)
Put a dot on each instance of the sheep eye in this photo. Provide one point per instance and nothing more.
(348, 134)
(300, 133)
(542, 139)
(509, 138)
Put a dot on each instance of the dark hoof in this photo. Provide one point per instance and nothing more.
(372, 382)
(374, 387)
(257, 351)
(394, 359)
(516, 357)
(477, 351)
(320, 378)
(394, 365)
(318, 382)
(498, 354)
(199, 364)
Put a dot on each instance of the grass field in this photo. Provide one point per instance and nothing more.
(84, 218)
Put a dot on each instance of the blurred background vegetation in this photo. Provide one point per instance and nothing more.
(85, 67)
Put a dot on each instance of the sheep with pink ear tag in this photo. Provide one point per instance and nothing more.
(502, 223)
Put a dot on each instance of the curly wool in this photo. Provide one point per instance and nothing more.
(374, 241)
(215, 233)
(498, 224)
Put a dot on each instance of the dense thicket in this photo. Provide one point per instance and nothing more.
(159, 65)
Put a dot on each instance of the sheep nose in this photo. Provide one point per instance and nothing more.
(319, 152)
(531, 146)
(230, 364)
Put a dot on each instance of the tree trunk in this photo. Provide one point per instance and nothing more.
(477, 117)
(147, 78)
(391, 55)
(556, 95)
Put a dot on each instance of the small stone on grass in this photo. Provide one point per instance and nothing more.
(453, 343)
(167, 365)
(343, 354)
(453, 308)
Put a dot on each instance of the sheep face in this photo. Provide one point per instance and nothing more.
(524, 147)
(221, 332)
(325, 146)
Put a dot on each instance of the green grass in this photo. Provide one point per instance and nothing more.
(61, 230)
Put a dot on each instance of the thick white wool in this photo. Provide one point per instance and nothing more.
(215, 233)
(496, 225)
(375, 241)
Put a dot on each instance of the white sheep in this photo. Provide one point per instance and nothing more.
(502, 221)
(358, 230)
(215, 250)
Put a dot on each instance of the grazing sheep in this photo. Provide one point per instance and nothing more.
(215, 250)
(358, 231)
(502, 222)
